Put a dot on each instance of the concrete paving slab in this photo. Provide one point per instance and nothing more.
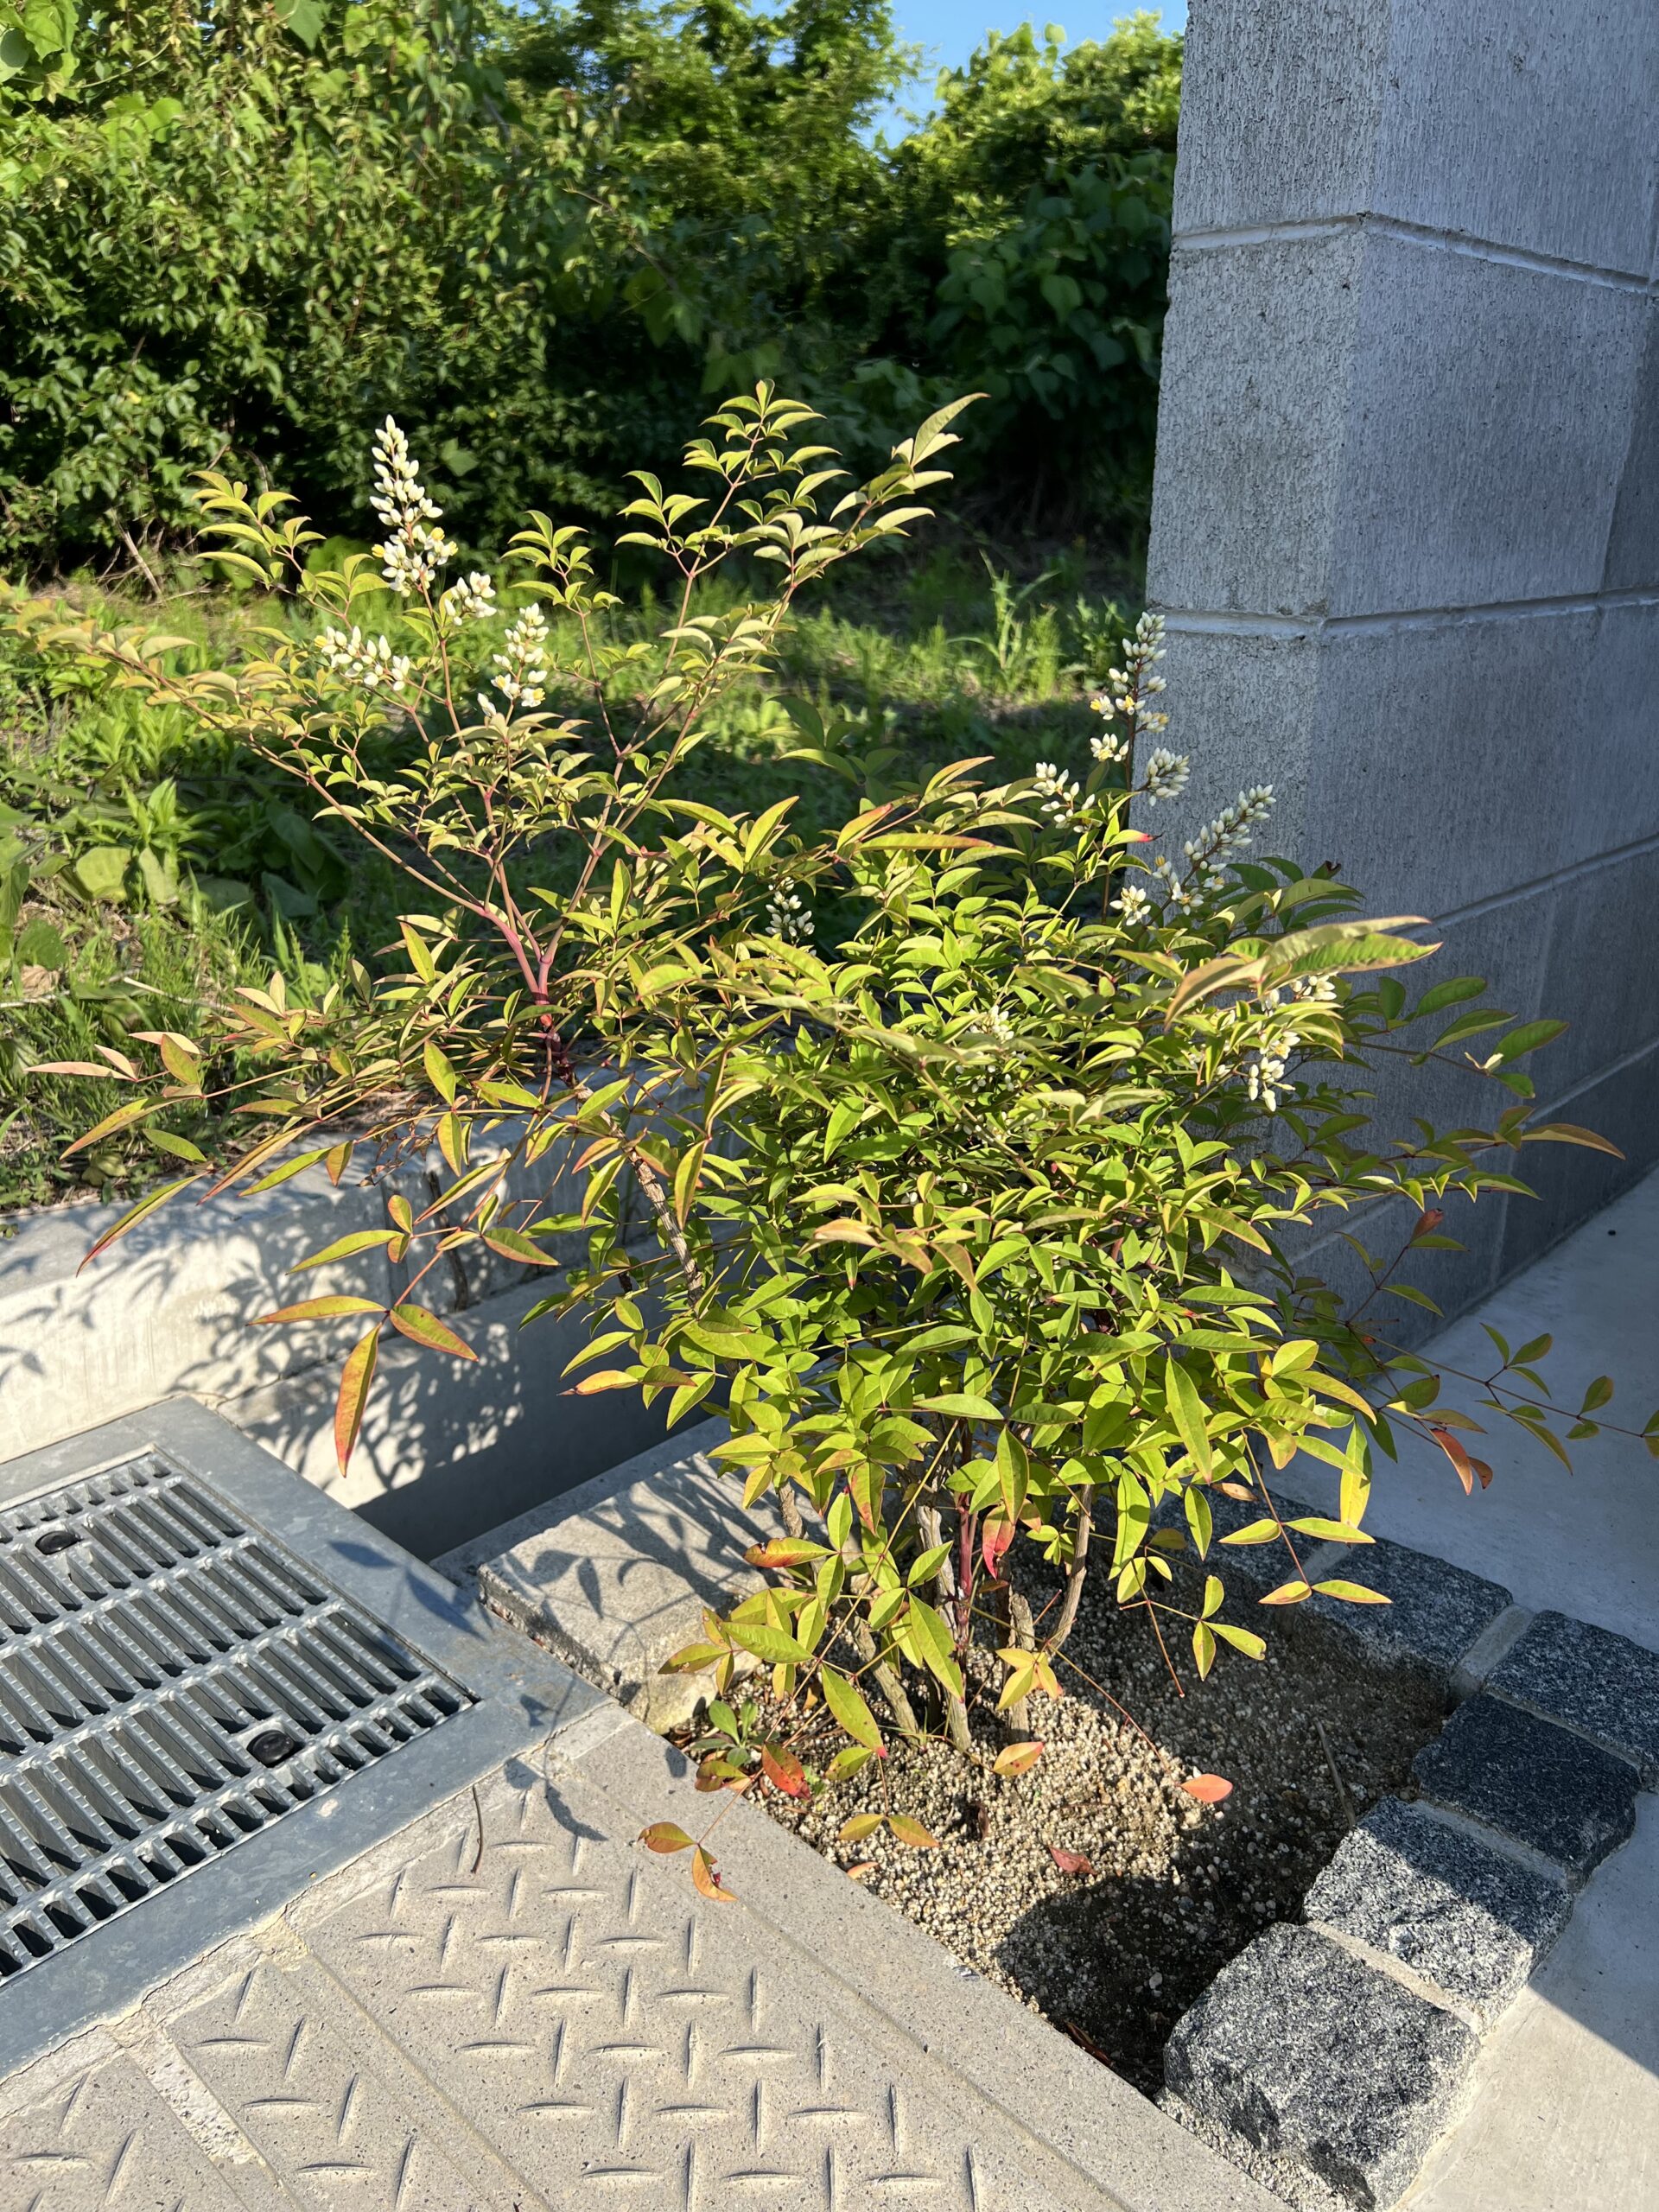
(509, 2006)
(1565, 2112)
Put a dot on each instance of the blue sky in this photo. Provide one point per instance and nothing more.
(951, 30)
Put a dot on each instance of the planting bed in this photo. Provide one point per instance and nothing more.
(1115, 1950)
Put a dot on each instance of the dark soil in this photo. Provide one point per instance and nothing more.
(1114, 1951)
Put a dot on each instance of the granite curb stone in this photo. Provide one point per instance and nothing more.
(1450, 1908)
(1302, 2050)
(1435, 1612)
(1533, 1780)
(1589, 1679)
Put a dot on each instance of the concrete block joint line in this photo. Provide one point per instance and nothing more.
(1405, 536)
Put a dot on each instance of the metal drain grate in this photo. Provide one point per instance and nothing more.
(171, 1683)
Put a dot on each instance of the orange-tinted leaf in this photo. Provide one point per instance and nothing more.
(858, 1827)
(123, 1118)
(422, 1327)
(1018, 1758)
(663, 1835)
(355, 1378)
(784, 1551)
(994, 1537)
(864, 1866)
(783, 1770)
(705, 1873)
(321, 1309)
(1287, 1593)
(513, 1244)
(1072, 1862)
(1459, 1459)
(134, 1215)
(911, 1832)
(1208, 1789)
(608, 1378)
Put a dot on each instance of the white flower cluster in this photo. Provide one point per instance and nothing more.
(1230, 832)
(523, 680)
(1167, 775)
(413, 553)
(1108, 748)
(1132, 903)
(1322, 990)
(787, 916)
(1265, 1077)
(366, 661)
(1058, 792)
(471, 602)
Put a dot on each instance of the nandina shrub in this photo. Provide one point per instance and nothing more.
(973, 1137)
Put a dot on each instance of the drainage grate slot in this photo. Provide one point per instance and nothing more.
(171, 1683)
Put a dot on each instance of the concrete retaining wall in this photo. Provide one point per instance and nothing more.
(1406, 525)
(449, 1448)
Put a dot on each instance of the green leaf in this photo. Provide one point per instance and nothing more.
(850, 1711)
(775, 1645)
(1528, 1036)
(1186, 1412)
(962, 1405)
(1353, 1593)
(933, 1643)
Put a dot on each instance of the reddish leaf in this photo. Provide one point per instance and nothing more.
(1018, 1758)
(705, 1873)
(1208, 1789)
(662, 1836)
(864, 1866)
(1428, 1222)
(913, 1832)
(783, 1770)
(994, 1537)
(1072, 1862)
(784, 1551)
(355, 1380)
(1467, 1468)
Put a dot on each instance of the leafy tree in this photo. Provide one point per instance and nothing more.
(242, 236)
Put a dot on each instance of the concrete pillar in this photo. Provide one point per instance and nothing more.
(1405, 522)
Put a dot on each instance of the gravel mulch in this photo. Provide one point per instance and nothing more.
(1115, 1948)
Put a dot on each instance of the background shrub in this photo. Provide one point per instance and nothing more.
(544, 238)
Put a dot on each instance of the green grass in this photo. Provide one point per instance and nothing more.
(226, 876)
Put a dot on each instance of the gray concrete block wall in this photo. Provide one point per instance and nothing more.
(1406, 519)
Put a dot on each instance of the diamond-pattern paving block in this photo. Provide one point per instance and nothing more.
(617, 2040)
(1601, 1684)
(1463, 1915)
(1532, 1780)
(1434, 1612)
(1304, 2052)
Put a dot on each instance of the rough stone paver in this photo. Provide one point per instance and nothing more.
(510, 2006)
(1533, 1780)
(1468, 1919)
(1301, 2050)
(1434, 1613)
(1595, 1682)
